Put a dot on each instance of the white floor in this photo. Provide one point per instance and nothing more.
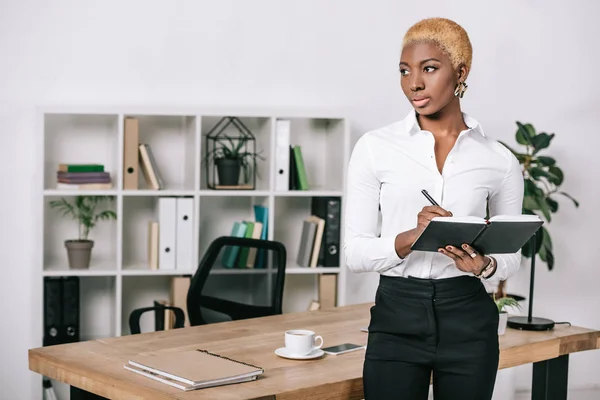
(573, 395)
(593, 394)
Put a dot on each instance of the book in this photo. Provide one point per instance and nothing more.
(300, 169)
(84, 186)
(179, 385)
(499, 235)
(307, 240)
(81, 167)
(193, 369)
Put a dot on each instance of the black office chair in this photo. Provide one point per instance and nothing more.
(196, 300)
(159, 320)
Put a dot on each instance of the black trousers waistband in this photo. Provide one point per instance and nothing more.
(430, 288)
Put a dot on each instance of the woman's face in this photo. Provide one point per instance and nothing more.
(427, 77)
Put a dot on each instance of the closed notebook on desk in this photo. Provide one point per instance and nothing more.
(193, 369)
(498, 235)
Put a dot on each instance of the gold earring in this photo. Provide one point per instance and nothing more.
(460, 90)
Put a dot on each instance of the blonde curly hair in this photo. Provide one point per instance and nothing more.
(449, 36)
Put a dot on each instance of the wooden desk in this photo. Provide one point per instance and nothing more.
(97, 366)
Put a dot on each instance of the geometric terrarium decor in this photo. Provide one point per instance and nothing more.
(230, 156)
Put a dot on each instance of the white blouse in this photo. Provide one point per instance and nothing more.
(388, 169)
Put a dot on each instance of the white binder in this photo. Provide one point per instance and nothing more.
(167, 232)
(282, 155)
(185, 232)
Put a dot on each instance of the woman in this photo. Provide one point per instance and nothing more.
(432, 315)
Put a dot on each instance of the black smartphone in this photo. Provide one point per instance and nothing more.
(342, 348)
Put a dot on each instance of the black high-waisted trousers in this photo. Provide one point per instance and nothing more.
(419, 328)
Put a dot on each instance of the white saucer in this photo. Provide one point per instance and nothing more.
(283, 352)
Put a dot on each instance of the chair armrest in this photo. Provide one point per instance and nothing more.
(134, 317)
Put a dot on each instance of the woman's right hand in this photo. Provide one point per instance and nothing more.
(405, 239)
(427, 214)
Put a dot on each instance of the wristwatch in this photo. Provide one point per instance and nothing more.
(488, 270)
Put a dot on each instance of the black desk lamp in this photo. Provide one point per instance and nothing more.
(530, 323)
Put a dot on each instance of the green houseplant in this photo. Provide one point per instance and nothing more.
(230, 157)
(543, 178)
(501, 304)
(84, 210)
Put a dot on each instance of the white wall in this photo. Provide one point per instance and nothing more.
(534, 61)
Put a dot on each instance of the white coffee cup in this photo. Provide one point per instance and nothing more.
(301, 341)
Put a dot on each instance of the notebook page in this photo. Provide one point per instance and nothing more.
(468, 219)
(515, 218)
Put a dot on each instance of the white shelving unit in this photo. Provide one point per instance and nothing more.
(119, 279)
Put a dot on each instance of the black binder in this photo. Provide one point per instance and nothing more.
(329, 209)
(498, 235)
(61, 310)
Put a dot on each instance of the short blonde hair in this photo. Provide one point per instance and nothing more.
(449, 36)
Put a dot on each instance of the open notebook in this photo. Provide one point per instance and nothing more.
(500, 234)
(193, 369)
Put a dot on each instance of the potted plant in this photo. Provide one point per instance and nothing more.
(501, 303)
(542, 179)
(83, 209)
(231, 157)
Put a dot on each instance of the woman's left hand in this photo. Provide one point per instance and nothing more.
(466, 259)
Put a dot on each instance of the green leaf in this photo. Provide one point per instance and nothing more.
(530, 203)
(537, 173)
(541, 201)
(569, 196)
(546, 161)
(558, 177)
(550, 259)
(543, 254)
(530, 131)
(541, 141)
(530, 187)
(546, 239)
(522, 135)
(552, 204)
(546, 252)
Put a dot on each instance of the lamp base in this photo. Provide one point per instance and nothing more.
(536, 324)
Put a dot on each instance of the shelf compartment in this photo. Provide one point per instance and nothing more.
(80, 139)
(323, 144)
(260, 128)
(289, 215)
(138, 212)
(139, 292)
(218, 215)
(58, 228)
(172, 141)
(97, 307)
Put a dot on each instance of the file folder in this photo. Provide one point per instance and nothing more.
(282, 155)
(131, 139)
(185, 233)
(167, 232)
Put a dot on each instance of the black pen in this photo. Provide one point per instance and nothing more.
(431, 200)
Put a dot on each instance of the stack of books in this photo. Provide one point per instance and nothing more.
(83, 176)
(244, 257)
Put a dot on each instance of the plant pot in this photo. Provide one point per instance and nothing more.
(228, 171)
(502, 322)
(79, 253)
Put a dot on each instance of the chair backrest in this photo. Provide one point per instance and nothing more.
(195, 293)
